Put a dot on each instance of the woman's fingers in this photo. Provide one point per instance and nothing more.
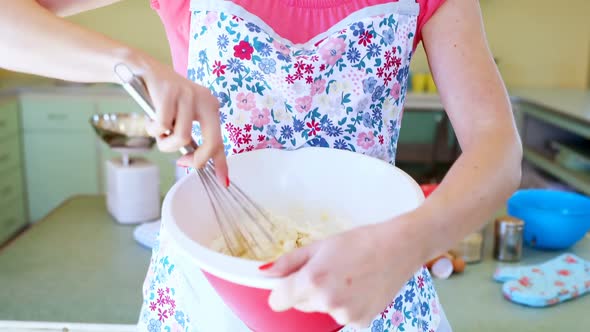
(181, 135)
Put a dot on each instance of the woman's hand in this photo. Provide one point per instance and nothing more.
(178, 102)
(352, 276)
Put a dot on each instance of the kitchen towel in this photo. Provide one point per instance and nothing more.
(558, 280)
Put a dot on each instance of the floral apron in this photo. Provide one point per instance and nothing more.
(344, 89)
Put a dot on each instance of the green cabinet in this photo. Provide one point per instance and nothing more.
(12, 199)
(59, 150)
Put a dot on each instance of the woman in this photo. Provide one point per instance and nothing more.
(322, 73)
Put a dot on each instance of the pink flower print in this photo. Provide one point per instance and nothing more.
(570, 260)
(525, 281)
(384, 313)
(309, 68)
(247, 127)
(420, 278)
(434, 307)
(271, 143)
(537, 270)
(162, 315)
(332, 50)
(247, 139)
(317, 87)
(160, 292)
(365, 38)
(153, 306)
(552, 301)
(245, 101)
(218, 68)
(281, 48)
(559, 283)
(395, 90)
(381, 139)
(366, 140)
(243, 50)
(167, 299)
(210, 19)
(259, 117)
(563, 291)
(314, 127)
(309, 80)
(397, 318)
(564, 272)
(303, 104)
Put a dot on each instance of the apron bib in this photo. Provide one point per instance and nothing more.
(344, 89)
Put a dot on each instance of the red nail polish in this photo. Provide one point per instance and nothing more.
(266, 266)
(227, 182)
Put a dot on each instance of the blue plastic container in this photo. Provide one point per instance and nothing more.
(553, 219)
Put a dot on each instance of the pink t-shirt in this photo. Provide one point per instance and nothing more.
(306, 19)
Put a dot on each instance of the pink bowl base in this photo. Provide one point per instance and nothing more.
(251, 306)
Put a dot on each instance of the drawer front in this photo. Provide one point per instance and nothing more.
(10, 156)
(11, 186)
(57, 113)
(8, 118)
(12, 218)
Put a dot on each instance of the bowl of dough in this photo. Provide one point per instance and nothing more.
(312, 193)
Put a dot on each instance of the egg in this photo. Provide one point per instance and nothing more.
(458, 265)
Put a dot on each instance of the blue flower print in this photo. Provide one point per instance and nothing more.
(340, 144)
(424, 308)
(398, 303)
(425, 325)
(257, 75)
(222, 97)
(325, 123)
(200, 73)
(286, 132)
(378, 93)
(191, 74)
(377, 325)
(369, 85)
(357, 29)
(402, 74)
(179, 316)
(412, 282)
(268, 66)
(409, 295)
(353, 55)
(271, 130)
(298, 125)
(389, 36)
(203, 57)
(367, 120)
(377, 114)
(264, 49)
(235, 66)
(222, 117)
(155, 325)
(334, 131)
(282, 57)
(318, 142)
(222, 42)
(252, 27)
(374, 50)
(415, 309)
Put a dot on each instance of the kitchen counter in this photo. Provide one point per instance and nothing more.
(473, 301)
(78, 265)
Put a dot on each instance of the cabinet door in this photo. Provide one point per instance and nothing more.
(118, 105)
(58, 165)
(12, 218)
(8, 117)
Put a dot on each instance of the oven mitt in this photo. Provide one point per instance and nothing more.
(558, 280)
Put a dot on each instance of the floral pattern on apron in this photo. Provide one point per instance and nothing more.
(344, 90)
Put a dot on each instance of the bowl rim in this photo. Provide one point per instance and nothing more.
(513, 201)
(251, 276)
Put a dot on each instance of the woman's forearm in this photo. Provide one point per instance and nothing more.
(34, 40)
(476, 187)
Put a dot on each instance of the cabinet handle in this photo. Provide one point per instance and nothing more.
(6, 191)
(57, 117)
(4, 157)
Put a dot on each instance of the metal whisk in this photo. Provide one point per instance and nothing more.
(245, 226)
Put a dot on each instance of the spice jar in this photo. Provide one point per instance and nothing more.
(508, 239)
(470, 248)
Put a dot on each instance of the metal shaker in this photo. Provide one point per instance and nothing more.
(508, 239)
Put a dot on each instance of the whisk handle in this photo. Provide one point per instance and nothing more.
(136, 88)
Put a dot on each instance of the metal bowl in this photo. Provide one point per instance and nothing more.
(122, 130)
